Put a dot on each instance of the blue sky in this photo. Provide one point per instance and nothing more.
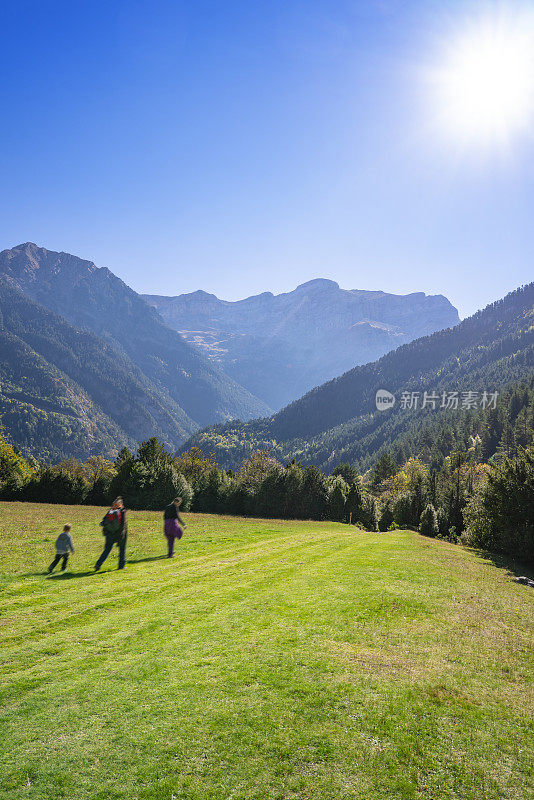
(241, 147)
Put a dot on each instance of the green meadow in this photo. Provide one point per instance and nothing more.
(269, 660)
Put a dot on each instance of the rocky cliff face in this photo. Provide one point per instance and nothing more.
(280, 346)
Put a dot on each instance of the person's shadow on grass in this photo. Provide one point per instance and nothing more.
(143, 560)
(65, 576)
(59, 575)
(55, 576)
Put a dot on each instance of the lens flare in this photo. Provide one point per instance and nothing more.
(484, 87)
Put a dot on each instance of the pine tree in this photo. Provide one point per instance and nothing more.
(337, 499)
(348, 472)
(428, 525)
(386, 518)
(385, 467)
(353, 505)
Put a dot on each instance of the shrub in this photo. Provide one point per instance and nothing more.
(452, 535)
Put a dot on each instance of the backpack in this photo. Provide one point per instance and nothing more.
(111, 523)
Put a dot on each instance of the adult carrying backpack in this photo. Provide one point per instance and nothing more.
(111, 524)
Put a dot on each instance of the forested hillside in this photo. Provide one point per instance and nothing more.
(66, 392)
(95, 300)
(339, 421)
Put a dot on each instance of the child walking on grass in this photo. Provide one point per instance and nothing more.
(64, 546)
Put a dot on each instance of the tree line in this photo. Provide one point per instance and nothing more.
(488, 504)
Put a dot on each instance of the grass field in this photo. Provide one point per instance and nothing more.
(269, 660)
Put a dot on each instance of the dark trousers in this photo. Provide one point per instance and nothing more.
(170, 544)
(110, 541)
(57, 559)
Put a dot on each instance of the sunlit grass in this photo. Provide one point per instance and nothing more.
(268, 660)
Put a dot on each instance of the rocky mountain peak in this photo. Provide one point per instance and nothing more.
(280, 346)
(317, 283)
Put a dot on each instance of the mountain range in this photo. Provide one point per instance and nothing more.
(281, 346)
(87, 365)
(133, 376)
(339, 421)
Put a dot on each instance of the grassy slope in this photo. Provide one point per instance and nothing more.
(269, 660)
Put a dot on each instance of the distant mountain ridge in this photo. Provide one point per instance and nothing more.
(94, 299)
(281, 346)
(339, 422)
(101, 368)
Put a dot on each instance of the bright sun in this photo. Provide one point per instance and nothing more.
(484, 87)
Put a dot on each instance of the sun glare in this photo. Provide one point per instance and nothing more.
(484, 87)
